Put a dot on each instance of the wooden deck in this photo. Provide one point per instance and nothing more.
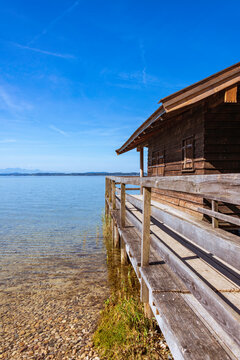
(189, 271)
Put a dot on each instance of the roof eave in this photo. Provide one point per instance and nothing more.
(154, 117)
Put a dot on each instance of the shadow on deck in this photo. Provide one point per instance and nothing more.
(189, 270)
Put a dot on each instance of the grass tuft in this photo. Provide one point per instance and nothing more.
(123, 331)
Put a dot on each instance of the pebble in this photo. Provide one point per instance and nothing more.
(45, 319)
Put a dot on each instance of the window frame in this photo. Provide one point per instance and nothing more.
(186, 160)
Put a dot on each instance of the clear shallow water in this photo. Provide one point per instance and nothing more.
(53, 271)
(50, 215)
(50, 221)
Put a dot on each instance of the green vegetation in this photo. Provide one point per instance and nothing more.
(123, 332)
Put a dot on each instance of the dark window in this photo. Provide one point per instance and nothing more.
(188, 154)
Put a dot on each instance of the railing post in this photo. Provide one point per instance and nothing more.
(141, 168)
(113, 195)
(106, 196)
(110, 191)
(214, 208)
(145, 245)
(145, 248)
(116, 237)
(123, 206)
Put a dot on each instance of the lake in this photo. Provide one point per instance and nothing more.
(53, 277)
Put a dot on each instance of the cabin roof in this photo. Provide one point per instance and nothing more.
(180, 99)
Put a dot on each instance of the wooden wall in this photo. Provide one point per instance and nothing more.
(215, 128)
(170, 142)
(222, 148)
(222, 139)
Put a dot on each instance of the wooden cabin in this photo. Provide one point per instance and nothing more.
(195, 131)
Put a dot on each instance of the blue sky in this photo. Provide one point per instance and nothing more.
(78, 77)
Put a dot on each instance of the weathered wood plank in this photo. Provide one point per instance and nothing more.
(113, 195)
(145, 244)
(214, 209)
(222, 187)
(221, 312)
(110, 191)
(218, 308)
(194, 343)
(223, 338)
(131, 189)
(158, 279)
(224, 245)
(220, 216)
(185, 334)
(123, 208)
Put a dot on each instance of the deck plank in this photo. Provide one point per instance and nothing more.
(169, 295)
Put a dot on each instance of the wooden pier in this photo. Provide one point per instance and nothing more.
(188, 269)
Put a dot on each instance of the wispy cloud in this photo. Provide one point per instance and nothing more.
(7, 100)
(7, 141)
(45, 52)
(54, 21)
(64, 133)
(142, 53)
(140, 77)
(10, 102)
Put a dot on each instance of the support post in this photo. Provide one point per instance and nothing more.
(123, 206)
(145, 299)
(145, 245)
(124, 256)
(106, 197)
(110, 191)
(116, 239)
(113, 195)
(215, 222)
(141, 167)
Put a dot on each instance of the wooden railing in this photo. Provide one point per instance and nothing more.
(219, 243)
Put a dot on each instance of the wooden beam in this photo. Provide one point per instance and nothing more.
(228, 218)
(113, 195)
(116, 239)
(222, 187)
(141, 167)
(230, 95)
(106, 187)
(141, 163)
(135, 188)
(123, 207)
(124, 256)
(221, 312)
(212, 302)
(145, 245)
(217, 241)
(110, 191)
(214, 209)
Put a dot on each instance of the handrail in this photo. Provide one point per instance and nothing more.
(222, 187)
(218, 242)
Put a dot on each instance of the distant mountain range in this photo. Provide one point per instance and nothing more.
(19, 170)
(36, 172)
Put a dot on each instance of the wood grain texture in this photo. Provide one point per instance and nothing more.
(145, 244)
(123, 208)
(223, 187)
(171, 311)
(218, 242)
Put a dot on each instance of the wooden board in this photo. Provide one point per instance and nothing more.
(186, 335)
(172, 313)
(224, 187)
